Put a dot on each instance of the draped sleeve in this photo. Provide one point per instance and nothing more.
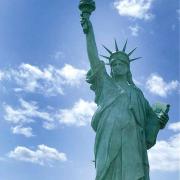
(152, 126)
(95, 77)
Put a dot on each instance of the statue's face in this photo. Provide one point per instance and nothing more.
(119, 68)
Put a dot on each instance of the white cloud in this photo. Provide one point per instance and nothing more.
(47, 81)
(164, 156)
(80, 114)
(156, 85)
(26, 131)
(27, 113)
(72, 75)
(49, 125)
(175, 126)
(134, 8)
(134, 30)
(44, 155)
(16, 116)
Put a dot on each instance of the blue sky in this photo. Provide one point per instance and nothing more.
(46, 105)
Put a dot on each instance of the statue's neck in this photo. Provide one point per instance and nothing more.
(121, 80)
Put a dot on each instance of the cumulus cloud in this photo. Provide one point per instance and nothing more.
(25, 114)
(80, 114)
(72, 75)
(47, 81)
(26, 131)
(164, 156)
(29, 112)
(134, 30)
(175, 126)
(43, 155)
(156, 85)
(49, 125)
(134, 8)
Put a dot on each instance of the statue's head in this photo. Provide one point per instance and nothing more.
(119, 61)
(119, 67)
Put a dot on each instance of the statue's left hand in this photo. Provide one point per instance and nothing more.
(163, 119)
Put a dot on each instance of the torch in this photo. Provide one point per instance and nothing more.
(86, 7)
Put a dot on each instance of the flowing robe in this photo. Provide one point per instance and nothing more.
(124, 124)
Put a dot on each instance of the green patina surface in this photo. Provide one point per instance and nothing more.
(126, 125)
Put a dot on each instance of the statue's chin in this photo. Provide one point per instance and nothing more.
(119, 74)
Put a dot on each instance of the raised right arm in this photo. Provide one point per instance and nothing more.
(90, 41)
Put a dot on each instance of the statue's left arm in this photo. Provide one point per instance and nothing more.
(154, 123)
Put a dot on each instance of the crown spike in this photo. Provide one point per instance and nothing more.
(105, 57)
(116, 46)
(124, 48)
(135, 59)
(107, 50)
(132, 51)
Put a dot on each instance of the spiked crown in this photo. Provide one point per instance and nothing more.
(119, 55)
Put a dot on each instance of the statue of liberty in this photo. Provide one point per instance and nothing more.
(126, 126)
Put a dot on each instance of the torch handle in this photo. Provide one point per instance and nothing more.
(85, 22)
